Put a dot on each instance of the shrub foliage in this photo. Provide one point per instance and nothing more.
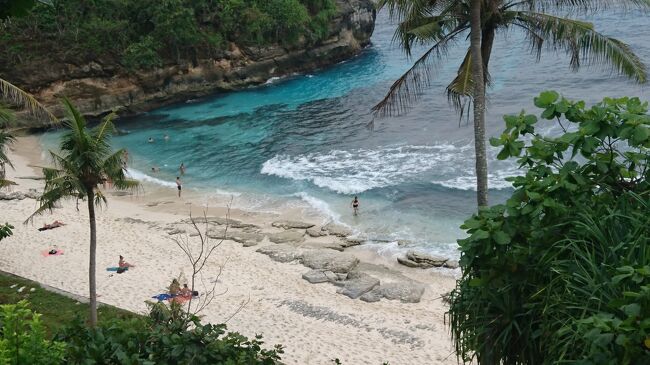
(560, 273)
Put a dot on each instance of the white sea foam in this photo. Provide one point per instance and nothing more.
(272, 80)
(320, 206)
(351, 172)
(227, 192)
(141, 176)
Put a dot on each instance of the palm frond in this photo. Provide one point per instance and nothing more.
(14, 94)
(462, 86)
(583, 43)
(407, 88)
(404, 9)
(6, 139)
(4, 183)
(6, 116)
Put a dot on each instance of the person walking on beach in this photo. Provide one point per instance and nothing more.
(178, 185)
(355, 205)
(182, 169)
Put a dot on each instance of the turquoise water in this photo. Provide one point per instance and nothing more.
(304, 141)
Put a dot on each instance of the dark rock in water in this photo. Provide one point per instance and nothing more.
(357, 284)
(291, 224)
(320, 276)
(421, 260)
(329, 260)
(280, 253)
(287, 237)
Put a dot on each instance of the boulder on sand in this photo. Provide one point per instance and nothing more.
(357, 284)
(287, 237)
(280, 253)
(421, 260)
(404, 291)
(324, 259)
(316, 232)
(337, 229)
(320, 276)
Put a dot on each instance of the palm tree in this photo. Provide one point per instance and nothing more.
(15, 95)
(442, 23)
(479, 103)
(85, 162)
(6, 138)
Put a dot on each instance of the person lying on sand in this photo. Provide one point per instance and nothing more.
(123, 264)
(55, 224)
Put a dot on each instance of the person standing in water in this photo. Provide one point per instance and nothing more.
(178, 185)
(355, 205)
(182, 168)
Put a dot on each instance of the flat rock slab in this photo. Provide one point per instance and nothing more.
(221, 221)
(352, 241)
(421, 260)
(320, 276)
(287, 236)
(337, 229)
(291, 224)
(316, 232)
(12, 196)
(405, 291)
(451, 264)
(357, 284)
(329, 260)
(280, 253)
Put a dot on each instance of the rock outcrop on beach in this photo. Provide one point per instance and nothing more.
(102, 86)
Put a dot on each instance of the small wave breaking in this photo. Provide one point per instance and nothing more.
(141, 176)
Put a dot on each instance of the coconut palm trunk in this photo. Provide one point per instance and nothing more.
(92, 266)
(479, 104)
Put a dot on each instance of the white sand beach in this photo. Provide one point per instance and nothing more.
(313, 322)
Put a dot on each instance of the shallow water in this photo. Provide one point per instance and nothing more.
(305, 140)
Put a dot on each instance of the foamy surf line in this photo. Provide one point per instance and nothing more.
(141, 176)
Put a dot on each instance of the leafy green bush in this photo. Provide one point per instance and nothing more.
(5, 231)
(559, 273)
(167, 336)
(23, 338)
(142, 55)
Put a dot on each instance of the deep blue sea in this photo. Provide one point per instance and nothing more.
(304, 140)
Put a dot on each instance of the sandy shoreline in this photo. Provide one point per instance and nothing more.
(312, 321)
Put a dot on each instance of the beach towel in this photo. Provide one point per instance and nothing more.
(118, 269)
(46, 253)
(163, 296)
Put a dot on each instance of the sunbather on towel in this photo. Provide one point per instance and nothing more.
(55, 224)
(123, 264)
(185, 292)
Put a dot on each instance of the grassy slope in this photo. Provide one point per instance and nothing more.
(57, 310)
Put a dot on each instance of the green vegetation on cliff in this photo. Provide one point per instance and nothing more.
(142, 34)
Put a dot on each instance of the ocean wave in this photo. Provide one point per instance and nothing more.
(141, 176)
(320, 206)
(272, 80)
(353, 172)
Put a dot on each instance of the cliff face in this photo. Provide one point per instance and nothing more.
(100, 88)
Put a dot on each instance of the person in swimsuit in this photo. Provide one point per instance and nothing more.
(355, 205)
(150, 140)
(178, 185)
(182, 169)
(122, 263)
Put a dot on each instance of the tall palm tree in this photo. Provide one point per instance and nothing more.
(443, 23)
(85, 162)
(478, 93)
(6, 138)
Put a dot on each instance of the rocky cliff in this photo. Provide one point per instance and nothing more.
(98, 88)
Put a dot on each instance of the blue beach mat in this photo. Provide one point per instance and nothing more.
(164, 296)
(116, 268)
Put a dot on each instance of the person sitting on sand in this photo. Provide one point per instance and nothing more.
(123, 264)
(174, 287)
(185, 292)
